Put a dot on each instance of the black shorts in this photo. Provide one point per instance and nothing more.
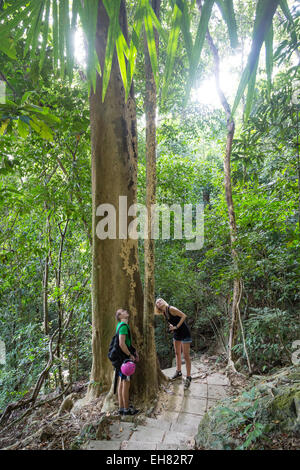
(124, 377)
(187, 339)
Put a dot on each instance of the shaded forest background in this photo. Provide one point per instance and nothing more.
(45, 210)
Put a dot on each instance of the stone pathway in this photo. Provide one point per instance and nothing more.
(179, 417)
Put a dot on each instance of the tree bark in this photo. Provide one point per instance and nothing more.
(45, 280)
(59, 302)
(116, 279)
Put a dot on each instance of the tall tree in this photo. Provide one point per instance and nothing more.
(116, 279)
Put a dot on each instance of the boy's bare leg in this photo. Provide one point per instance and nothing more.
(120, 393)
(125, 393)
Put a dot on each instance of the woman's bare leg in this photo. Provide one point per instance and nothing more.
(177, 347)
(186, 353)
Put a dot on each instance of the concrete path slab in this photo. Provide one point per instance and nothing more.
(216, 392)
(161, 446)
(103, 445)
(175, 402)
(177, 387)
(189, 429)
(217, 379)
(187, 419)
(170, 416)
(121, 431)
(173, 437)
(193, 405)
(196, 390)
(134, 445)
(158, 424)
(145, 434)
(170, 372)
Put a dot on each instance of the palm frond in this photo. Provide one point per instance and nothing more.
(172, 47)
(148, 15)
(88, 13)
(227, 10)
(63, 31)
(134, 45)
(55, 33)
(269, 56)
(35, 20)
(198, 45)
(264, 16)
(113, 10)
(186, 27)
(250, 92)
(45, 35)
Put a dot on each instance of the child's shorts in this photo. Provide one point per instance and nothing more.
(124, 377)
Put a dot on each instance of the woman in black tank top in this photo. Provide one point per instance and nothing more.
(181, 336)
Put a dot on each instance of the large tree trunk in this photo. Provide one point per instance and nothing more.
(115, 278)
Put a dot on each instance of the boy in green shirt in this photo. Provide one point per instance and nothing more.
(125, 344)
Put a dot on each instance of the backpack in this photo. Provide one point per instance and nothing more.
(115, 353)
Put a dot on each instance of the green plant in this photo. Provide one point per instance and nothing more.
(244, 418)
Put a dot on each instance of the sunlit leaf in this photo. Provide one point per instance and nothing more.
(23, 128)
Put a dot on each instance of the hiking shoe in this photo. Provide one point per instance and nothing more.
(187, 382)
(130, 411)
(176, 375)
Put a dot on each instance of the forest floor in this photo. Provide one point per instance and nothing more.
(173, 420)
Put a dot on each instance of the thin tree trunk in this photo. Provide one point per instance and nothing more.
(45, 280)
(77, 191)
(45, 296)
(149, 246)
(59, 303)
(298, 161)
(236, 296)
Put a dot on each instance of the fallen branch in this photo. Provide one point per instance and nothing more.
(28, 439)
(19, 404)
(27, 412)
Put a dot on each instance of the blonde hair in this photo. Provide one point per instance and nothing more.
(157, 311)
